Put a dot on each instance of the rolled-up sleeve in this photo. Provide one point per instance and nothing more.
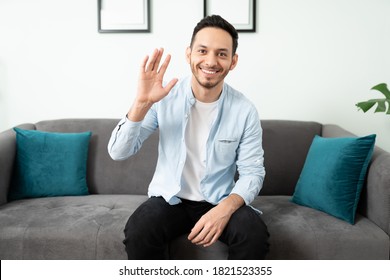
(122, 143)
(128, 136)
(250, 161)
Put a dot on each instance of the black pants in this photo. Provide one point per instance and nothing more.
(155, 223)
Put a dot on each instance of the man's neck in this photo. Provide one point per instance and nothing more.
(207, 95)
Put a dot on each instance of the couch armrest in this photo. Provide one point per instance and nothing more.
(376, 200)
(7, 157)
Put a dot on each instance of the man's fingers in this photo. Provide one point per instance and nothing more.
(151, 65)
(170, 85)
(206, 239)
(164, 66)
(158, 59)
(144, 62)
(201, 234)
(213, 240)
(195, 231)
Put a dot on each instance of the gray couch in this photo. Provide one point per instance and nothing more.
(91, 227)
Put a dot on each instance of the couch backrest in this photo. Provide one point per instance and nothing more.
(285, 144)
(104, 175)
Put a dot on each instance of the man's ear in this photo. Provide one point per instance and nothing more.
(188, 54)
(234, 62)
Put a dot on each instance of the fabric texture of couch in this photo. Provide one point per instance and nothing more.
(91, 226)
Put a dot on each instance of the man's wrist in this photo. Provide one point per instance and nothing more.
(138, 111)
(233, 202)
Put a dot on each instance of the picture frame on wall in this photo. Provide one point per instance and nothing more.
(240, 13)
(123, 16)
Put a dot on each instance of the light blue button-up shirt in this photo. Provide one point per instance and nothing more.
(234, 143)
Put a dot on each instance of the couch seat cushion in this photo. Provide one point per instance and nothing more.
(91, 227)
(78, 227)
(299, 232)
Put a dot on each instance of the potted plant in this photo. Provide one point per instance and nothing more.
(367, 105)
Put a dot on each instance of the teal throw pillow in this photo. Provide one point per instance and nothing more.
(333, 175)
(49, 164)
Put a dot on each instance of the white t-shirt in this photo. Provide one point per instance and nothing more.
(201, 119)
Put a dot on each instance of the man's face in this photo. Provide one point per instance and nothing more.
(211, 57)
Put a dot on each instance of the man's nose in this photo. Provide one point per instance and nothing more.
(211, 60)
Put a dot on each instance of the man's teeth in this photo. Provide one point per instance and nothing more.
(209, 72)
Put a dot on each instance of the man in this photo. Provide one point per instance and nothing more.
(207, 131)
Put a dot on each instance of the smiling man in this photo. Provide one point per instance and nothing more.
(208, 131)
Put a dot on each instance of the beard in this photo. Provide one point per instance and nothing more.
(208, 84)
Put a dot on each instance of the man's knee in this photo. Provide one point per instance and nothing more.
(246, 219)
(147, 230)
(152, 216)
(247, 232)
(155, 222)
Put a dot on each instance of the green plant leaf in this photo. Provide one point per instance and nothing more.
(383, 89)
(381, 108)
(366, 105)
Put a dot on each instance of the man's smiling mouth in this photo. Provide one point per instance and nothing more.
(209, 72)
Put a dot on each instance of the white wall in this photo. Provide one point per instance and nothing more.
(308, 60)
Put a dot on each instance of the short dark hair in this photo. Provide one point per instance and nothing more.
(217, 22)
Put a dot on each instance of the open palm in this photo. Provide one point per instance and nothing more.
(150, 83)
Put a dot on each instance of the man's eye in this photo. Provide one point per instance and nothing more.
(202, 51)
(223, 54)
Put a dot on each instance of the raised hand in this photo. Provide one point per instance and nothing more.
(150, 84)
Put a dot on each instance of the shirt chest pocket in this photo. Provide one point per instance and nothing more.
(226, 149)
